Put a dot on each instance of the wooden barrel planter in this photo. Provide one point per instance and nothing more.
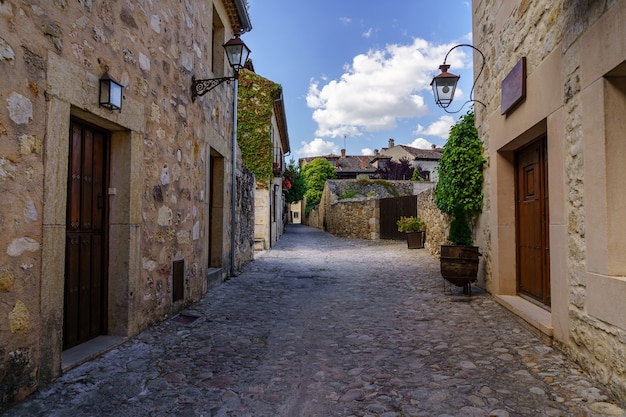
(459, 265)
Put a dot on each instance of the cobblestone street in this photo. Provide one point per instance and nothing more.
(323, 326)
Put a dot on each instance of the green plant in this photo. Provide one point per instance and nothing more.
(419, 174)
(255, 105)
(411, 224)
(295, 177)
(460, 230)
(315, 174)
(461, 169)
(349, 193)
(391, 189)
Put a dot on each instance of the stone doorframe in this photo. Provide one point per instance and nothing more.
(72, 91)
(541, 113)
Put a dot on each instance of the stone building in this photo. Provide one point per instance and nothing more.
(347, 166)
(552, 228)
(264, 140)
(111, 219)
(427, 159)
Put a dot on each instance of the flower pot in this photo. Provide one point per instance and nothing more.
(459, 265)
(415, 240)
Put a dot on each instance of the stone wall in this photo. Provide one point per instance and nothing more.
(169, 183)
(359, 215)
(354, 218)
(244, 217)
(437, 223)
(571, 80)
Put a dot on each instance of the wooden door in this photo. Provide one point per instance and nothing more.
(533, 272)
(85, 254)
(391, 209)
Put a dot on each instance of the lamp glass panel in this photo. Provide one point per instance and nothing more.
(116, 95)
(444, 88)
(234, 55)
(105, 92)
(237, 53)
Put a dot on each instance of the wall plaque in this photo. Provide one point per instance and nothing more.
(513, 87)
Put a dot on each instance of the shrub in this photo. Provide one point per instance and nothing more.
(411, 224)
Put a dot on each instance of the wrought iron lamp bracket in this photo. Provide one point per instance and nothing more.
(201, 87)
(482, 67)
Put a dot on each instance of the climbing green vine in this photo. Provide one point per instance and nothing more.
(254, 114)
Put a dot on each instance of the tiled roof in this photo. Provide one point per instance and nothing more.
(237, 11)
(433, 154)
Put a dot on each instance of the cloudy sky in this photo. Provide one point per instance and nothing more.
(356, 72)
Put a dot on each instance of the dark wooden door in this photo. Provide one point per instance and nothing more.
(391, 209)
(533, 272)
(85, 255)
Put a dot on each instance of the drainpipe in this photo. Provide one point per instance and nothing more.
(233, 208)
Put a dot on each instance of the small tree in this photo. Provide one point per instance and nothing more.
(460, 188)
(297, 182)
(315, 174)
(420, 174)
(461, 169)
(460, 230)
(401, 170)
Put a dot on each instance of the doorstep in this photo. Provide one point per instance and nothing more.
(84, 352)
(532, 314)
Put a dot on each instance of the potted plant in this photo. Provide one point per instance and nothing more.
(414, 228)
(459, 260)
(459, 193)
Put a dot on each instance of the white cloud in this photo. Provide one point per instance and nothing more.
(421, 143)
(318, 147)
(379, 88)
(345, 20)
(367, 34)
(439, 128)
(367, 151)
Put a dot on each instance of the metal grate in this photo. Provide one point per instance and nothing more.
(183, 318)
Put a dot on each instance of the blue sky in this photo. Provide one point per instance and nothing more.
(357, 72)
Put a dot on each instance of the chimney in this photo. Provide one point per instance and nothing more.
(375, 151)
(391, 143)
(343, 153)
(434, 146)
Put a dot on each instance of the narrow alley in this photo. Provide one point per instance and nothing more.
(322, 326)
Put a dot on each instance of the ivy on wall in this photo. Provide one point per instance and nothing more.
(255, 104)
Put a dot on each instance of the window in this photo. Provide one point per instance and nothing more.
(217, 47)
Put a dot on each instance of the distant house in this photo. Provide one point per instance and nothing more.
(264, 141)
(348, 166)
(427, 159)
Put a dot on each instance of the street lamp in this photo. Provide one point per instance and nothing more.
(237, 53)
(444, 84)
